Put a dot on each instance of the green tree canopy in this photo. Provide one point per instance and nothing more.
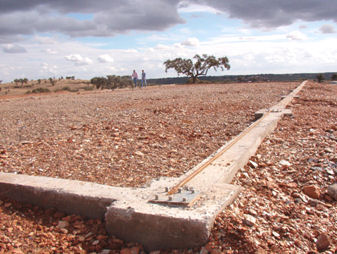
(198, 66)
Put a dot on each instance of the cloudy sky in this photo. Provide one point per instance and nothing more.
(85, 38)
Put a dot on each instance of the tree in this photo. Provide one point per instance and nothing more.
(52, 81)
(333, 77)
(199, 67)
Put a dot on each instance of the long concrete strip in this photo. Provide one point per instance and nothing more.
(127, 212)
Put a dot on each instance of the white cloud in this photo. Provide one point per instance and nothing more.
(78, 59)
(191, 42)
(327, 29)
(105, 59)
(13, 49)
(187, 7)
(49, 69)
(162, 47)
(50, 51)
(297, 36)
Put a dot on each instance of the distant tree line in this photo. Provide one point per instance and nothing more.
(247, 78)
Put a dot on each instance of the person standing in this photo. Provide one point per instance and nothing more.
(134, 77)
(143, 78)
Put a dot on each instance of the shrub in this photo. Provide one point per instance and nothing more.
(66, 88)
(99, 82)
(40, 90)
(111, 82)
(88, 88)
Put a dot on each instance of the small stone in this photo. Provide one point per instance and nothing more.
(316, 168)
(64, 230)
(105, 251)
(323, 242)
(95, 242)
(133, 250)
(298, 200)
(285, 164)
(253, 164)
(312, 191)
(155, 252)
(329, 171)
(203, 250)
(139, 153)
(62, 224)
(89, 235)
(332, 191)
(252, 212)
(328, 150)
(276, 235)
(249, 220)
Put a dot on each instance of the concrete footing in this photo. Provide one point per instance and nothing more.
(127, 212)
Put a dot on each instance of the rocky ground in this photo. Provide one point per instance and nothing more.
(126, 137)
(284, 207)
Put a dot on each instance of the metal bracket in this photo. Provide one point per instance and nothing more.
(183, 197)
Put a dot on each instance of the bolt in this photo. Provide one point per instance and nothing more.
(166, 189)
(155, 197)
(184, 199)
(169, 198)
(179, 190)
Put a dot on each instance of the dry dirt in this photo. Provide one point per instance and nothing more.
(129, 137)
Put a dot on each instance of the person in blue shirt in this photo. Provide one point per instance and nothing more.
(143, 81)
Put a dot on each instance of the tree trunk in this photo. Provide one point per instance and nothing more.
(194, 79)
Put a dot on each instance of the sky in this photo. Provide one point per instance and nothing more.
(84, 38)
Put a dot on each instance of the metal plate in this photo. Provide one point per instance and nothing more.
(184, 197)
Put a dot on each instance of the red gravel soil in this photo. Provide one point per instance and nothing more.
(272, 215)
(127, 137)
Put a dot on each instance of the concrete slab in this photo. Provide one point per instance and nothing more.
(75, 197)
(164, 227)
(127, 212)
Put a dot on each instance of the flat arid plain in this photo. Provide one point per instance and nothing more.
(128, 137)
